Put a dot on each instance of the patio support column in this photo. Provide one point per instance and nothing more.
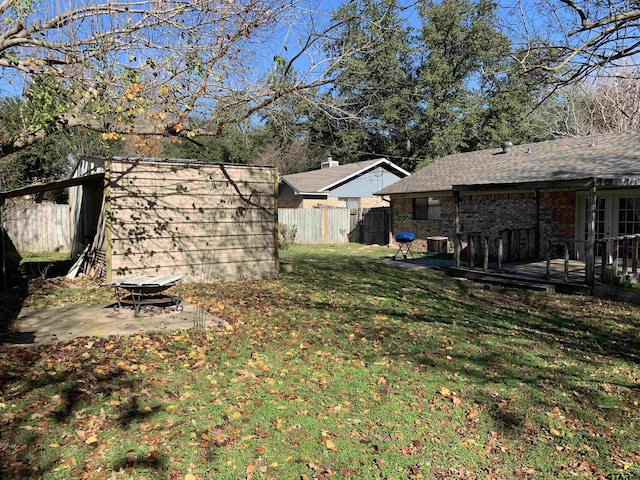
(536, 232)
(456, 228)
(590, 254)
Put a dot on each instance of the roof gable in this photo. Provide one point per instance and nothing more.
(611, 156)
(325, 179)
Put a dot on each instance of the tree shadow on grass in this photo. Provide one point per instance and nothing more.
(67, 386)
(502, 339)
(153, 461)
(11, 300)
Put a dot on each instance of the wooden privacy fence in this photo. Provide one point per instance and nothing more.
(317, 225)
(37, 227)
(338, 225)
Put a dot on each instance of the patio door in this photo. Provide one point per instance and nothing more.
(603, 225)
(616, 214)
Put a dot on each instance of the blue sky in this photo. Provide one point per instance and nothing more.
(285, 39)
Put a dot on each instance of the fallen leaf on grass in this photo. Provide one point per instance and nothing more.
(331, 446)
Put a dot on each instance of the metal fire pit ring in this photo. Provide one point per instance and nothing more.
(146, 290)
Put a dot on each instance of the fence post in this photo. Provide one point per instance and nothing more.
(325, 225)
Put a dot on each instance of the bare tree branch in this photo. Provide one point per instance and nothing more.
(148, 67)
(575, 39)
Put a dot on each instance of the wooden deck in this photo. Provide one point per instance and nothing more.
(531, 275)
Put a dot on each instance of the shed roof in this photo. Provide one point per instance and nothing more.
(612, 156)
(54, 185)
(325, 179)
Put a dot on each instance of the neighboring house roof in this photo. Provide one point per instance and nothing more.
(324, 179)
(610, 156)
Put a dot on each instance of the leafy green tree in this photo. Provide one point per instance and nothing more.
(373, 88)
(48, 159)
(471, 99)
(414, 94)
(147, 68)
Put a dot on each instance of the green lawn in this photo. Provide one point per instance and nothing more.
(346, 368)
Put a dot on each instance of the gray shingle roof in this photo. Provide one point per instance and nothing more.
(320, 180)
(610, 156)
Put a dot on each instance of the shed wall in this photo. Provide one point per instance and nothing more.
(206, 222)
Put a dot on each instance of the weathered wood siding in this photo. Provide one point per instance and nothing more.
(38, 227)
(207, 222)
(317, 225)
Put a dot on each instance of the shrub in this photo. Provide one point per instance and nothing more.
(286, 235)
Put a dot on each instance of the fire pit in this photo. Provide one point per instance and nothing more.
(147, 290)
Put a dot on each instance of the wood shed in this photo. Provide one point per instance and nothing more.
(154, 216)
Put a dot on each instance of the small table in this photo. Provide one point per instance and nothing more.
(146, 289)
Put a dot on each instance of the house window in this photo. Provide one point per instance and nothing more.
(629, 216)
(426, 208)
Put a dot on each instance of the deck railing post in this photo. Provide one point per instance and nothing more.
(634, 257)
(566, 261)
(472, 250)
(548, 274)
(604, 258)
(614, 262)
(625, 261)
(500, 248)
(485, 248)
(457, 247)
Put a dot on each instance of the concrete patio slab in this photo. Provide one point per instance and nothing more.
(37, 327)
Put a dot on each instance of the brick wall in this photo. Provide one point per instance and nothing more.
(558, 214)
(402, 221)
(492, 213)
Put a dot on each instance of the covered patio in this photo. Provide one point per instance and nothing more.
(589, 256)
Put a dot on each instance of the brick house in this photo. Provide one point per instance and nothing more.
(352, 185)
(526, 194)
